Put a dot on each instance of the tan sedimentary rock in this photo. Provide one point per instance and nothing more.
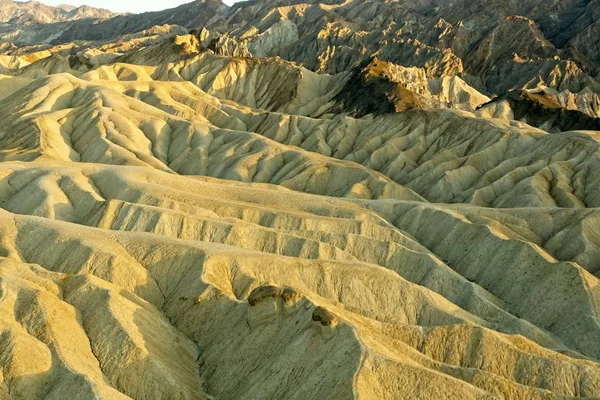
(182, 217)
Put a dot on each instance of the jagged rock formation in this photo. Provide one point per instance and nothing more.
(182, 217)
(195, 14)
(382, 87)
(27, 12)
(540, 108)
(87, 24)
(519, 45)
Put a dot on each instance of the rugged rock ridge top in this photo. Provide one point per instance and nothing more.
(518, 45)
(27, 12)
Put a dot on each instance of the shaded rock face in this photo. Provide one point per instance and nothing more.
(191, 15)
(226, 46)
(380, 87)
(540, 109)
(370, 92)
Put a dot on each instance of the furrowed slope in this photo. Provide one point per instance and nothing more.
(442, 156)
(163, 125)
(291, 276)
(181, 220)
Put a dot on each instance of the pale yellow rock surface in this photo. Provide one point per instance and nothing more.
(154, 269)
(196, 229)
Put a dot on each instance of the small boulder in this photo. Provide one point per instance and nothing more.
(288, 295)
(324, 316)
(261, 293)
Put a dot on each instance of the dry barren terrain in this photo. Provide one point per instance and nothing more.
(184, 215)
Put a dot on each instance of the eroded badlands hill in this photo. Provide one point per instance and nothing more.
(490, 47)
(180, 220)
